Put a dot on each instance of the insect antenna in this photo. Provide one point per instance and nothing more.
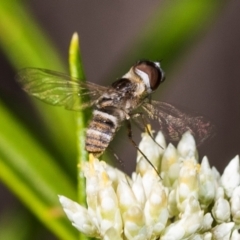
(129, 128)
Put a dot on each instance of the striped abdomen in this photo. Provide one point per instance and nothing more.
(100, 131)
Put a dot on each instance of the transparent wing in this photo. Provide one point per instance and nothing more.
(59, 89)
(174, 122)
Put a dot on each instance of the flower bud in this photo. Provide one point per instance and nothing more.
(206, 187)
(221, 210)
(235, 205)
(155, 211)
(79, 217)
(231, 176)
(223, 231)
(187, 183)
(170, 166)
(187, 146)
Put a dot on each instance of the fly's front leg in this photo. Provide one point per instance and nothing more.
(146, 125)
(130, 136)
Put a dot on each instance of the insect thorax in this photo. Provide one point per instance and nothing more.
(126, 99)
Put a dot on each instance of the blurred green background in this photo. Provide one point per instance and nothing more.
(198, 43)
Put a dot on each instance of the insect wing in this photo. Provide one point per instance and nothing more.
(174, 122)
(59, 89)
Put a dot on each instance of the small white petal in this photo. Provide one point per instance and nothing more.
(134, 225)
(174, 231)
(170, 156)
(235, 235)
(138, 190)
(187, 146)
(116, 175)
(196, 237)
(151, 149)
(231, 176)
(235, 205)
(207, 222)
(172, 204)
(170, 165)
(126, 196)
(217, 176)
(142, 166)
(223, 231)
(149, 179)
(187, 183)
(155, 211)
(111, 233)
(207, 236)
(221, 210)
(190, 222)
(207, 187)
(160, 139)
(192, 217)
(219, 193)
(78, 216)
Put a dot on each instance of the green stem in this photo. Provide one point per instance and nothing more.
(50, 215)
(76, 71)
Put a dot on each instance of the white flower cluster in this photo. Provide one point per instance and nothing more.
(187, 201)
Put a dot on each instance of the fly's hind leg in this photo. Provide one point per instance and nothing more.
(120, 161)
(130, 136)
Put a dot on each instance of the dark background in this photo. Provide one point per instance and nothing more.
(206, 79)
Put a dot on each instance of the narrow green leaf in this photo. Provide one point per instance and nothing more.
(174, 27)
(171, 30)
(76, 70)
(31, 173)
(75, 60)
(14, 225)
(22, 40)
(16, 222)
(26, 45)
(49, 214)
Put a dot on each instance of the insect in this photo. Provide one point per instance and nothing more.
(129, 97)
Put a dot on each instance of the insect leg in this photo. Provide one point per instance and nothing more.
(129, 128)
(146, 126)
(121, 162)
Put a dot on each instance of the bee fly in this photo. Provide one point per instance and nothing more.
(119, 101)
(127, 98)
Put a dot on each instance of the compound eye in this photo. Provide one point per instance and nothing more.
(154, 72)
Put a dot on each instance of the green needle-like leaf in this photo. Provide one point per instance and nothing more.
(14, 225)
(25, 45)
(76, 70)
(31, 173)
(171, 30)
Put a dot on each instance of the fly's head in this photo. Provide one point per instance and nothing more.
(150, 74)
(146, 76)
